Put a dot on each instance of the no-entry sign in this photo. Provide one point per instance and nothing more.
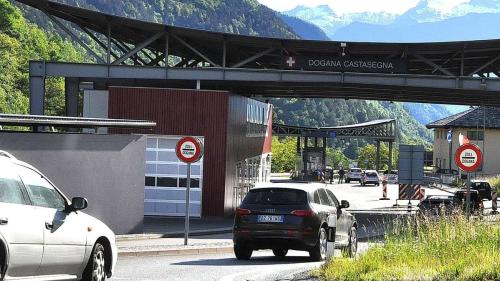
(189, 149)
(468, 157)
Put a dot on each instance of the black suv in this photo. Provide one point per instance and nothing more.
(483, 187)
(292, 217)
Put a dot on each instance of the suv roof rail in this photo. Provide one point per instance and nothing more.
(6, 154)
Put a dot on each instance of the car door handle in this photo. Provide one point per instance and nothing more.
(4, 221)
(49, 225)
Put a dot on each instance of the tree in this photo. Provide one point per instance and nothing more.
(367, 157)
(284, 154)
(336, 158)
(21, 42)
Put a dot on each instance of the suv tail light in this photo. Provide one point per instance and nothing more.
(302, 213)
(242, 212)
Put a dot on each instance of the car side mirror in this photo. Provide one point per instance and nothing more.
(79, 203)
(344, 204)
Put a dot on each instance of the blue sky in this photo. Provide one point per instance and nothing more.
(350, 6)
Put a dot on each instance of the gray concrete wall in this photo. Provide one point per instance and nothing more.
(106, 169)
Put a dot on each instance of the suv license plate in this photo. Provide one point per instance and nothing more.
(268, 218)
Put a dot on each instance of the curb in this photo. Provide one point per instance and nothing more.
(178, 251)
(173, 234)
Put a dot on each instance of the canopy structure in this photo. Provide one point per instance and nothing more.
(140, 53)
(71, 122)
(383, 130)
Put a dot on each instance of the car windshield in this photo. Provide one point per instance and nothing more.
(355, 170)
(276, 196)
(372, 174)
(478, 185)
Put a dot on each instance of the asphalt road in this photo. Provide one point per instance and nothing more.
(216, 267)
(370, 212)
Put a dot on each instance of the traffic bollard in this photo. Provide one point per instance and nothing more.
(384, 190)
(330, 244)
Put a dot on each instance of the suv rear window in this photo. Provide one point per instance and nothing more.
(371, 174)
(355, 170)
(276, 196)
(479, 185)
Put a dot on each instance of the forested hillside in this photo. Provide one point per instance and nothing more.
(233, 16)
(236, 16)
(329, 112)
(19, 43)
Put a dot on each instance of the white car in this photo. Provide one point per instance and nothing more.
(370, 177)
(43, 235)
(354, 174)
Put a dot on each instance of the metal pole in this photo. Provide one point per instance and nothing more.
(188, 187)
(108, 45)
(390, 158)
(467, 197)
(377, 161)
(484, 137)
(451, 149)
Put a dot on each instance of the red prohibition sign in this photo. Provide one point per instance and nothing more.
(468, 157)
(188, 149)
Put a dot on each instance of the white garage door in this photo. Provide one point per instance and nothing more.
(165, 182)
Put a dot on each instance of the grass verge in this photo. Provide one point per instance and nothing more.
(426, 249)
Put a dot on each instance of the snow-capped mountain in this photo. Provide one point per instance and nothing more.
(328, 20)
(427, 18)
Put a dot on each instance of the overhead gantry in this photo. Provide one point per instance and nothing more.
(315, 139)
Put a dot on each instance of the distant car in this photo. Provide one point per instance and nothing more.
(354, 174)
(438, 205)
(370, 177)
(43, 235)
(292, 217)
(483, 187)
(448, 204)
(447, 171)
(476, 202)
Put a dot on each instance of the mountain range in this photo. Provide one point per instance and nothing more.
(473, 20)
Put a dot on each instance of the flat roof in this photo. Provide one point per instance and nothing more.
(71, 122)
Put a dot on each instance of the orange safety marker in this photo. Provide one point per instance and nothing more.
(384, 190)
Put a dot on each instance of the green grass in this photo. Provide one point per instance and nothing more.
(425, 249)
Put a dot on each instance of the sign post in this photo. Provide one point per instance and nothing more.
(188, 150)
(468, 158)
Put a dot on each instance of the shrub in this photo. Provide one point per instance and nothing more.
(451, 248)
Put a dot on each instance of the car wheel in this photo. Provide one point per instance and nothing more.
(96, 267)
(318, 253)
(280, 253)
(352, 247)
(2, 261)
(242, 252)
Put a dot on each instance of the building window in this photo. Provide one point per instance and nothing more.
(163, 168)
(475, 135)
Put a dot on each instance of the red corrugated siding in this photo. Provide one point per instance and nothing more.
(183, 112)
(269, 136)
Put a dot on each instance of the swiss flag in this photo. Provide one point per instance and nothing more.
(463, 139)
